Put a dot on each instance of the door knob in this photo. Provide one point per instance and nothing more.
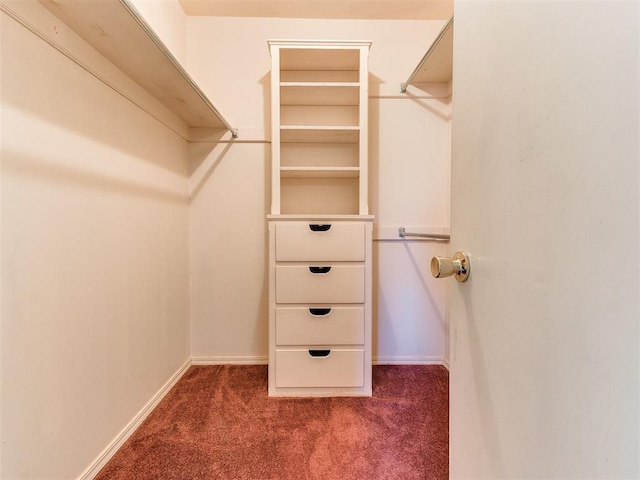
(458, 266)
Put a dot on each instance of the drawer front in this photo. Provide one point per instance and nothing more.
(305, 242)
(340, 368)
(320, 326)
(320, 284)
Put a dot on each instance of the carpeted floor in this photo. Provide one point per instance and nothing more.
(218, 423)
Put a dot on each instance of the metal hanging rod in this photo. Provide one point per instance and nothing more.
(443, 32)
(402, 233)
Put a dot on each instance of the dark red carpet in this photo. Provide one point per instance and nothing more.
(218, 423)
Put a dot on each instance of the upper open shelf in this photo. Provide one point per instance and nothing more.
(319, 55)
(437, 64)
(319, 93)
(116, 30)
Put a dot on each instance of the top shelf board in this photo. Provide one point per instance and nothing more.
(116, 30)
(319, 55)
(437, 64)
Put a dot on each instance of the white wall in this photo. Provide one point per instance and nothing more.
(545, 334)
(94, 259)
(228, 252)
(229, 59)
(169, 22)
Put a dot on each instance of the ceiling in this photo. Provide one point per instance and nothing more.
(338, 9)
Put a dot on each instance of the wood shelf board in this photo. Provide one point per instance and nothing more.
(438, 67)
(319, 94)
(311, 58)
(319, 76)
(315, 134)
(320, 172)
(128, 42)
(320, 84)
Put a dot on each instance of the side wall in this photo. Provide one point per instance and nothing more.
(94, 258)
(230, 198)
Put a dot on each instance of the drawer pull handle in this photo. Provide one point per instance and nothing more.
(316, 270)
(319, 228)
(319, 312)
(319, 353)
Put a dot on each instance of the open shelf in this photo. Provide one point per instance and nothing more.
(319, 59)
(317, 195)
(116, 30)
(319, 134)
(325, 155)
(319, 93)
(319, 172)
(436, 66)
(326, 76)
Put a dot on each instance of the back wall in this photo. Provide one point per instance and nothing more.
(229, 186)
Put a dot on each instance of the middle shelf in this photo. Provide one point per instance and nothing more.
(320, 172)
(319, 93)
(319, 134)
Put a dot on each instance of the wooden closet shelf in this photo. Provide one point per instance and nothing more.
(436, 66)
(320, 172)
(319, 93)
(319, 134)
(118, 31)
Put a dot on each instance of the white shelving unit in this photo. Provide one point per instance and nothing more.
(116, 30)
(320, 96)
(320, 233)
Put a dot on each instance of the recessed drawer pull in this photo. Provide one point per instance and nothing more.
(319, 312)
(316, 270)
(319, 353)
(319, 228)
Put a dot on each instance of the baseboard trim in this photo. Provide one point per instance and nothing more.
(221, 360)
(408, 361)
(124, 435)
(445, 364)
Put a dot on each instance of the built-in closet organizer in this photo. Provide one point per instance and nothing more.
(320, 230)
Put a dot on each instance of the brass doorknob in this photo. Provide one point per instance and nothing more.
(458, 266)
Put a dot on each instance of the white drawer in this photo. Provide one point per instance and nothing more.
(320, 326)
(320, 284)
(340, 368)
(309, 242)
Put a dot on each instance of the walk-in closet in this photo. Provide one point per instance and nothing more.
(316, 239)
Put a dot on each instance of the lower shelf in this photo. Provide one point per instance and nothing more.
(319, 195)
(320, 172)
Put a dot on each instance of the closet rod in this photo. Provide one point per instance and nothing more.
(402, 233)
(445, 29)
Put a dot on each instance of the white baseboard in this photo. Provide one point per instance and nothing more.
(221, 360)
(445, 364)
(408, 360)
(124, 435)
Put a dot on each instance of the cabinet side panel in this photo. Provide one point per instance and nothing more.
(275, 130)
(364, 135)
